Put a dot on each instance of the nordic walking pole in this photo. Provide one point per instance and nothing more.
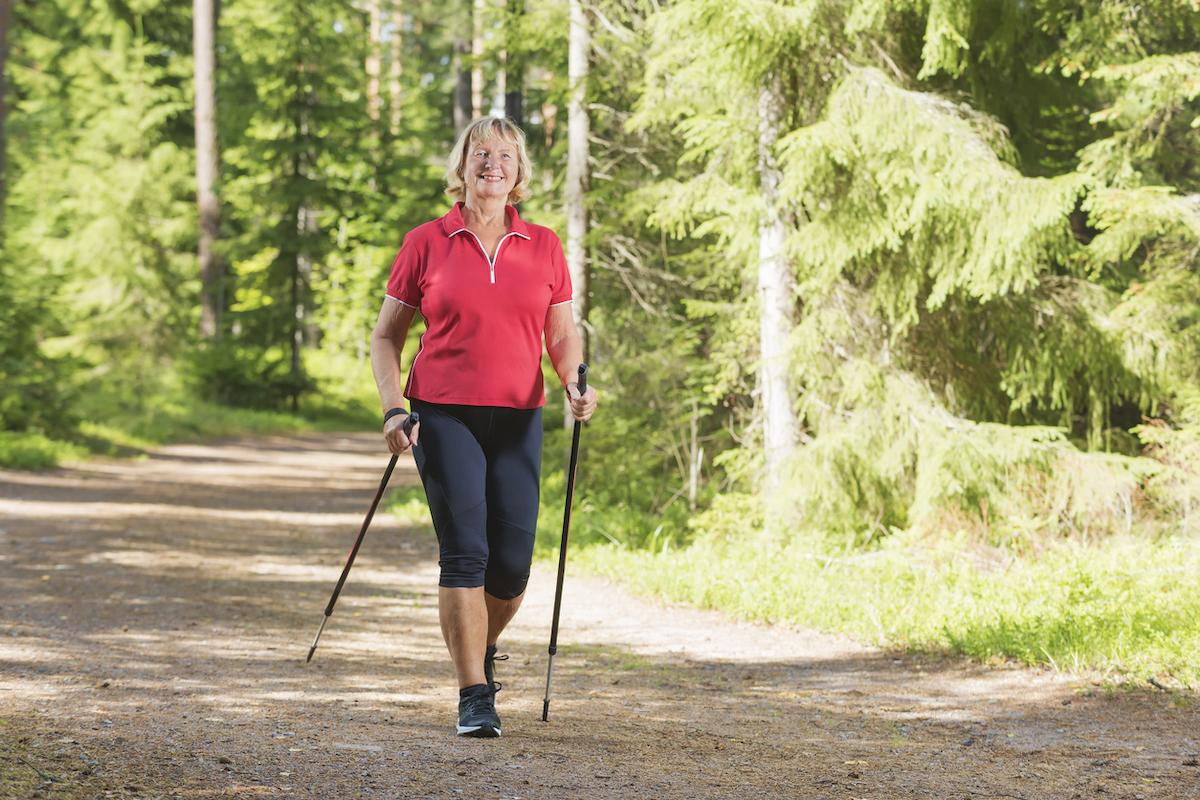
(409, 424)
(562, 552)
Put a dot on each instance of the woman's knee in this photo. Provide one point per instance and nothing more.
(505, 585)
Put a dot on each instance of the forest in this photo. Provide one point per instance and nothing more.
(893, 307)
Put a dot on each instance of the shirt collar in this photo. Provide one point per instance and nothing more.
(453, 222)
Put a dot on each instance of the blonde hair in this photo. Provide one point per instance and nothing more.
(478, 131)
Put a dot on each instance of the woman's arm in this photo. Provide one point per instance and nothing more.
(387, 345)
(565, 347)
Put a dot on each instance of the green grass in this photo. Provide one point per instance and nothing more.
(113, 425)
(178, 420)
(21, 450)
(408, 505)
(1128, 608)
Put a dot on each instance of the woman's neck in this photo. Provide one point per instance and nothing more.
(484, 214)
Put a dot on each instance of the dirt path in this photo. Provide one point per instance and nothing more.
(155, 615)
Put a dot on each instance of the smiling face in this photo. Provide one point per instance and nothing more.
(491, 169)
(488, 161)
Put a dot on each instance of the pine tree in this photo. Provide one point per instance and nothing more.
(297, 157)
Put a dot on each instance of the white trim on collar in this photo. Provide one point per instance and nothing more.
(510, 233)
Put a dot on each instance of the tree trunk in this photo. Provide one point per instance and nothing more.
(306, 228)
(207, 164)
(500, 99)
(548, 111)
(577, 167)
(477, 60)
(374, 60)
(5, 23)
(776, 307)
(297, 313)
(394, 69)
(374, 69)
(462, 88)
(514, 66)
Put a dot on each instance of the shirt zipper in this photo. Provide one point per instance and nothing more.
(482, 249)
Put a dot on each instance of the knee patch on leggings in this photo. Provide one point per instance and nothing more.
(508, 563)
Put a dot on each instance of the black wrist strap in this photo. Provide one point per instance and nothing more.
(393, 412)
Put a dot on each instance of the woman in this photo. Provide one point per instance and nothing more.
(490, 287)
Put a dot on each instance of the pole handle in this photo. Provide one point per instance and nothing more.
(411, 422)
(583, 370)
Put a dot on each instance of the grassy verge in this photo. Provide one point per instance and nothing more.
(120, 426)
(1128, 608)
(22, 450)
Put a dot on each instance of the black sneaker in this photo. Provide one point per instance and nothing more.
(489, 666)
(477, 711)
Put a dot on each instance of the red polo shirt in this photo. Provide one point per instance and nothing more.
(485, 318)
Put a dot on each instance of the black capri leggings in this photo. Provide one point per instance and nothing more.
(480, 467)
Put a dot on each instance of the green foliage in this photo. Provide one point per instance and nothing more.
(626, 508)
(99, 271)
(33, 394)
(1175, 489)
(245, 376)
(916, 222)
(928, 248)
(99, 215)
(24, 450)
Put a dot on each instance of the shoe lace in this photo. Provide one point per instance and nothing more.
(483, 700)
(497, 684)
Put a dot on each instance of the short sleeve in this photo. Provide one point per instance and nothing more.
(404, 282)
(560, 289)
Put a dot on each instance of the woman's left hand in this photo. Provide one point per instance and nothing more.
(581, 407)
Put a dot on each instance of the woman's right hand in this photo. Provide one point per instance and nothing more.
(393, 434)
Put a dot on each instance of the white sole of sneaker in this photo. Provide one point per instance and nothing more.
(478, 731)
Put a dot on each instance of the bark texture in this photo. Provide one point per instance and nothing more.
(776, 302)
(204, 25)
(395, 68)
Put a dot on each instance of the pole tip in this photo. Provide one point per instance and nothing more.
(311, 650)
(545, 710)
